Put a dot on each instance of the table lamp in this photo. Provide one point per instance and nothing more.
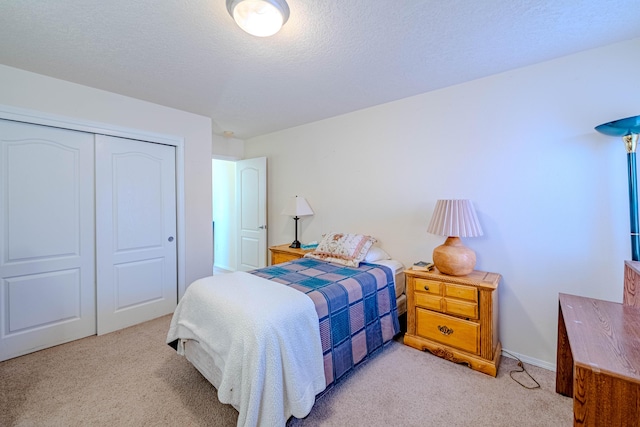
(454, 219)
(297, 207)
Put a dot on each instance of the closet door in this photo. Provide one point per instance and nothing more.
(135, 232)
(47, 275)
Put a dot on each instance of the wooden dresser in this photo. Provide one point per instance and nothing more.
(598, 360)
(455, 317)
(283, 253)
(631, 295)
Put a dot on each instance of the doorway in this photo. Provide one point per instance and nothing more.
(239, 214)
(224, 214)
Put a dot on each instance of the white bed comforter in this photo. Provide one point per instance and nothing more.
(264, 338)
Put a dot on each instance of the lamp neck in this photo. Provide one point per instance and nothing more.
(630, 142)
(453, 241)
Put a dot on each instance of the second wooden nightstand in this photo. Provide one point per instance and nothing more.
(455, 317)
(283, 253)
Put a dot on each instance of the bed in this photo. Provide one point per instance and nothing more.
(270, 349)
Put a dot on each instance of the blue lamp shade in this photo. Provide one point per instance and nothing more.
(622, 127)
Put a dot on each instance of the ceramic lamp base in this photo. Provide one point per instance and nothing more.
(454, 258)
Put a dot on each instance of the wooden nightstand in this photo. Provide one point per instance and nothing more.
(283, 253)
(455, 317)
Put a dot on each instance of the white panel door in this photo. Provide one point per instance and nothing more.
(135, 232)
(251, 188)
(47, 275)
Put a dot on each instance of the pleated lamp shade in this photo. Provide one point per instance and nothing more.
(454, 219)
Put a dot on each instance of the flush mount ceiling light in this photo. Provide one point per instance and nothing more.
(262, 18)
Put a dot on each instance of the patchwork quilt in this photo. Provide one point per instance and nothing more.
(356, 307)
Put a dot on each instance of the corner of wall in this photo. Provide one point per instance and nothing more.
(225, 148)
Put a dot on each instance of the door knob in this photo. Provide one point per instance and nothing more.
(263, 227)
(170, 238)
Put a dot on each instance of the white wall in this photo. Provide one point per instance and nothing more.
(227, 148)
(23, 89)
(550, 192)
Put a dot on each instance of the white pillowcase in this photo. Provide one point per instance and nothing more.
(376, 254)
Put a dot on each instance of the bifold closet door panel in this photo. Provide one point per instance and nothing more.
(47, 247)
(135, 232)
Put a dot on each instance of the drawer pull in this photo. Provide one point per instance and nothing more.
(426, 288)
(445, 330)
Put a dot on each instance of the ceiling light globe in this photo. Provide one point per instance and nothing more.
(261, 18)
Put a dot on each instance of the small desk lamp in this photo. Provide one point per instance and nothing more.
(454, 219)
(628, 129)
(297, 207)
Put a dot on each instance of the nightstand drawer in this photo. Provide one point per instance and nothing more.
(460, 308)
(285, 253)
(431, 302)
(448, 330)
(468, 293)
(278, 258)
(429, 286)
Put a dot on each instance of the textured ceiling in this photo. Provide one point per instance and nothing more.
(330, 58)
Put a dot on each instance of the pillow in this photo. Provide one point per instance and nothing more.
(343, 248)
(376, 254)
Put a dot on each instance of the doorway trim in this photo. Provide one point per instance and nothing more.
(46, 119)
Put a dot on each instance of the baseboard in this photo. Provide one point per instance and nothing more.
(530, 360)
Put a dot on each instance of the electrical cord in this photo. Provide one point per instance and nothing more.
(522, 369)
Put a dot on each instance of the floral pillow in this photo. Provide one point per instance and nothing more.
(343, 248)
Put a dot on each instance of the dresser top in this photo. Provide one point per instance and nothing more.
(477, 278)
(604, 336)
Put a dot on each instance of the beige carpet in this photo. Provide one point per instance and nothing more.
(132, 378)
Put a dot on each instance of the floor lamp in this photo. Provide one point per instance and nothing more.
(628, 129)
